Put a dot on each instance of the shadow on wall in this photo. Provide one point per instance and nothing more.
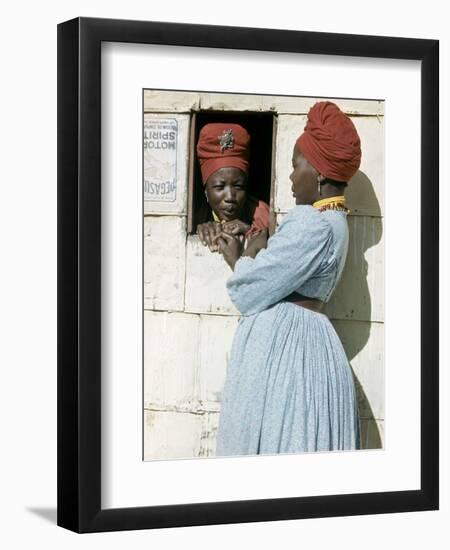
(353, 300)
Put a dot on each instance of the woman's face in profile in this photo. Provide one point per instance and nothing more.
(226, 190)
(304, 179)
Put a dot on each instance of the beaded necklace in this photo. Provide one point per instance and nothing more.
(332, 203)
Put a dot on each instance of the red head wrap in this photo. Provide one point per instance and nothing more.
(330, 142)
(222, 145)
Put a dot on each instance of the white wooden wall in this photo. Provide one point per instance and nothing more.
(189, 320)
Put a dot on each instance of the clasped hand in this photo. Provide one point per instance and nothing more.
(228, 239)
(210, 230)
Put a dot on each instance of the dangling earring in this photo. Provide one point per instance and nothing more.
(319, 189)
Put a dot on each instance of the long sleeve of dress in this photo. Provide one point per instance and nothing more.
(298, 250)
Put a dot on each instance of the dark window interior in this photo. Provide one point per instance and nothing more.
(260, 126)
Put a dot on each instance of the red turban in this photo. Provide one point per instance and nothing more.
(222, 145)
(330, 142)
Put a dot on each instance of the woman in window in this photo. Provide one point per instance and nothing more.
(223, 153)
(289, 386)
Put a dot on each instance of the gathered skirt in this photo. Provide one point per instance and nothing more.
(289, 387)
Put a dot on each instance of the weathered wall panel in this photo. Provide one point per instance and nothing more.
(206, 275)
(161, 101)
(289, 128)
(164, 262)
(360, 292)
(167, 101)
(169, 435)
(170, 359)
(365, 192)
(214, 345)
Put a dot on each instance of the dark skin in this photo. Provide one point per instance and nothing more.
(226, 192)
(305, 188)
(305, 181)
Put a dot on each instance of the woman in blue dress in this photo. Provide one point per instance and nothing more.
(289, 387)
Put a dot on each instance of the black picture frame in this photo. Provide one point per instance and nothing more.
(79, 274)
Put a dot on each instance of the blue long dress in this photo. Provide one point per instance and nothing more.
(289, 387)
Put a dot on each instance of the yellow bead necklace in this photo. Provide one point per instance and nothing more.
(332, 203)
